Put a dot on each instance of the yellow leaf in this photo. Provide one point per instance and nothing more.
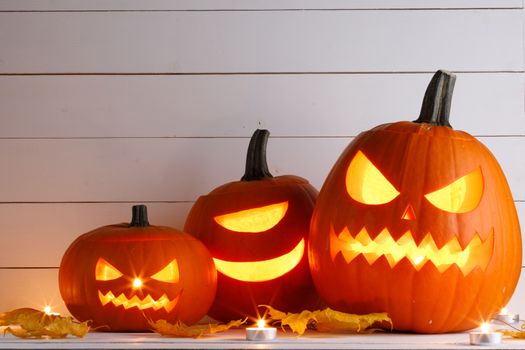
(513, 334)
(179, 329)
(31, 323)
(327, 320)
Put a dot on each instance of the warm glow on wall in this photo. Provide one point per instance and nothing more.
(258, 271)
(255, 219)
(366, 184)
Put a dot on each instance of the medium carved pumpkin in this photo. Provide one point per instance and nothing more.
(256, 230)
(416, 219)
(119, 276)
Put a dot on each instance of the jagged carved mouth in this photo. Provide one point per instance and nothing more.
(476, 254)
(142, 304)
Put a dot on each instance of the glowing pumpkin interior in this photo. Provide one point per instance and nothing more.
(366, 184)
(253, 220)
(475, 254)
(257, 220)
(104, 271)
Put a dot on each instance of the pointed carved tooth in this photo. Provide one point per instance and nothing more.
(363, 237)
(476, 254)
(345, 235)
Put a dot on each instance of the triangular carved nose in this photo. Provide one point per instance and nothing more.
(409, 213)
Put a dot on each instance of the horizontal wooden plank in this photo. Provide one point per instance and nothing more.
(37, 288)
(145, 169)
(166, 169)
(175, 169)
(226, 105)
(158, 5)
(286, 340)
(37, 235)
(237, 41)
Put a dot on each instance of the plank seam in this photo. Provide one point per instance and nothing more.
(511, 8)
(96, 202)
(211, 137)
(254, 73)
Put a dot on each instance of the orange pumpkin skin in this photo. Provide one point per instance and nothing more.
(137, 251)
(291, 291)
(417, 158)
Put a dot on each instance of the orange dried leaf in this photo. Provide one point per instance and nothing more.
(31, 323)
(179, 329)
(513, 334)
(327, 320)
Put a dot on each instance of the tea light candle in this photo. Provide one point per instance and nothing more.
(261, 332)
(485, 336)
(505, 316)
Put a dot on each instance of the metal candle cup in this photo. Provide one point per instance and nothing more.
(485, 337)
(261, 332)
(506, 317)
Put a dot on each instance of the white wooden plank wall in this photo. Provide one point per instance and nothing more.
(108, 103)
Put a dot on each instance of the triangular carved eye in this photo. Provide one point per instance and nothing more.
(461, 196)
(255, 219)
(104, 271)
(366, 184)
(169, 274)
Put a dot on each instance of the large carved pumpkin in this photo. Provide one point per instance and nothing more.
(256, 230)
(417, 219)
(119, 276)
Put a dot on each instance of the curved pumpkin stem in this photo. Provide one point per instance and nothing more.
(438, 98)
(256, 166)
(139, 216)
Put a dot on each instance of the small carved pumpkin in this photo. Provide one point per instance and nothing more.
(416, 219)
(256, 230)
(119, 276)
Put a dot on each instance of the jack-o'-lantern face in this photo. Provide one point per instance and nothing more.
(417, 220)
(366, 185)
(257, 220)
(141, 288)
(121, 276)
(256, 231)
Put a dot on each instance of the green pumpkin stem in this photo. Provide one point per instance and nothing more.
(256, 166)
(438, 97)
(139, 216)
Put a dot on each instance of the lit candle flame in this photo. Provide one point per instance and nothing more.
(47, 310)
(137, 283)
(261, 323)
(504, 311)
(485, 327)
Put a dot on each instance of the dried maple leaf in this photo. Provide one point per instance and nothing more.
(179, 329)
(31, 323)
(327, 320)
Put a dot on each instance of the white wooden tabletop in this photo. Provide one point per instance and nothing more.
(235, 339)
